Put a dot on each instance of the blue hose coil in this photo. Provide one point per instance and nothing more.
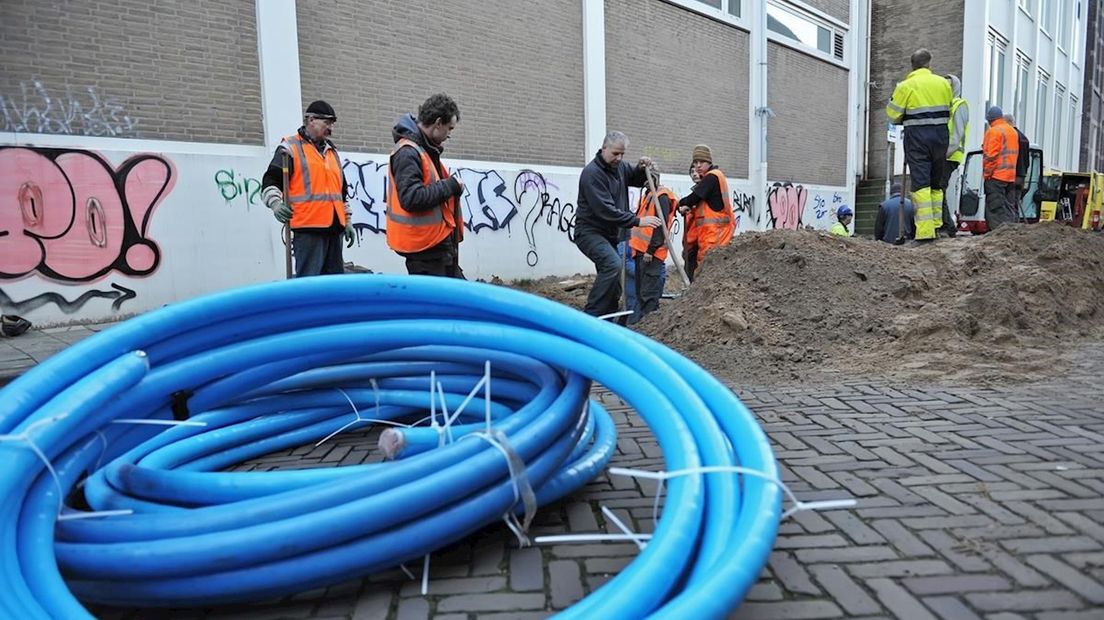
(279, 365)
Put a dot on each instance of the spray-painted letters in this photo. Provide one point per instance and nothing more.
(75, 217)
(35, 110)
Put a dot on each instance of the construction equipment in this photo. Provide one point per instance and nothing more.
(1074, 198)
(971, 201)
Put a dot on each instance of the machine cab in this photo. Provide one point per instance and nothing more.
(971, 200)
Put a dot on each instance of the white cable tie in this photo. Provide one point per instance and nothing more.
(26, 439)
(432, 400)
(158, 422)
(73, 516)
(614, 315)
(624, 528)
(357, 419)
(468, 399)
(425, 575)
(571, 538)
(407, 571)
(798, 505)
(487, 392)
(446, 430)
(523, 491)
(376, 392)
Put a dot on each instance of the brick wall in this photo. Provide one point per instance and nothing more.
(131, 68)
(897, 29)
(675, 79)
(515, 70)
(808, 136)
(840, 9)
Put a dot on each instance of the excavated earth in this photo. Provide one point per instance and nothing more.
(779, 306)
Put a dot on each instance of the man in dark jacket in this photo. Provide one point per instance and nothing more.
(885, 223)
(1022, 162)
(426, 198)
(602, 214)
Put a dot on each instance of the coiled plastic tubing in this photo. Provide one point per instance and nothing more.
(266, 368)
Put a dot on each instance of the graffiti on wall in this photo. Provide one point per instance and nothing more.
(785, 205)
(77, 218)
(35, 109)
(743, 205)
(236, 188)
(488, 203)
(118, 295)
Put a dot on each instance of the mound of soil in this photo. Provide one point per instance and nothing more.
(802, 305)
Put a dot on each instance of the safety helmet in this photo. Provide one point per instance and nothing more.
(844, 210)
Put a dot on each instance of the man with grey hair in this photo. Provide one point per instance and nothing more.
(602, 214)
(1022, 160)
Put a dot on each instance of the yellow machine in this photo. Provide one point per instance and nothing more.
(1072, 197)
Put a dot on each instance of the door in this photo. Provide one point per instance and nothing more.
(971, 197)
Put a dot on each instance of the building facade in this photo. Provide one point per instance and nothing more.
(1026, 56)
(1092, 114)
(134, 133)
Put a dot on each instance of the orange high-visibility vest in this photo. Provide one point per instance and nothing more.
(641, 237)
(1000, 149)
(414, 231)
(714, 229)
(315, 189)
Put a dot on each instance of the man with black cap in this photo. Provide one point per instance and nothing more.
(1000, 150)
(314, 205)
(424, 222)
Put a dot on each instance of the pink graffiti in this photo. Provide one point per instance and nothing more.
(786, 202)
(69, 215)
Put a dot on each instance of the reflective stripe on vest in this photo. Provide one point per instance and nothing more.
(641, 237)
(295, 146)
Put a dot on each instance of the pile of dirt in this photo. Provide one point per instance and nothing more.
(785, 305)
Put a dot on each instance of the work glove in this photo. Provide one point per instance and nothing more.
(350, 233)
(273, 198)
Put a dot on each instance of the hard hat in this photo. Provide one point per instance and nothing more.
(844, 210)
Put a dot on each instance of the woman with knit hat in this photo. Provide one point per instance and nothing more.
(710, 203)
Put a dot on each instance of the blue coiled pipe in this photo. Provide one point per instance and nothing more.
(316, 335)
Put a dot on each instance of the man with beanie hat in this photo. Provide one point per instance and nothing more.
(602, 215)
(922, 103)
(1000, 149)
(424, 222)
(713, 221)
(957, 128)
(314, 205)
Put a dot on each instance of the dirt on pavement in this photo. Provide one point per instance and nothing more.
(786, 305)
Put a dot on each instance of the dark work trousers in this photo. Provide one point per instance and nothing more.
(690, 260)
(606, 292)
(926, 155)
(440, 260)
(317, 252)
(649, 286)
(999, 205)
(948, 221)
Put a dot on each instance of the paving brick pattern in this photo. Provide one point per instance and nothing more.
(973, 503)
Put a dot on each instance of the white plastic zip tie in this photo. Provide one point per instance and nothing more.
(614, 315)
(158, 422)
(444, 433)
(468, 399)
(556, 538)
(798, 505)
(407, 571)
(425, 575)
(487, 393)
(640, 544)
(26, 439)
(357, 420)
(523, 491)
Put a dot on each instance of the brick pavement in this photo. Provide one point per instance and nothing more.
(973, 503)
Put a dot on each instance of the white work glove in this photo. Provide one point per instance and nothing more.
(273, 198)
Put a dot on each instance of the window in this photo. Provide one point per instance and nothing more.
(1073, 123)
(1059, 109)
(734, 7)
(1028, 6)
(1063, 24)
(1046, 15)
(794, 24)
(1075, 53)
(1041, 96)
(1022, 87)
(996, 49)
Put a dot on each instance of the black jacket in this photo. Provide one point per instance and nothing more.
(603, 203)
(1024, 157)
(414, 194)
